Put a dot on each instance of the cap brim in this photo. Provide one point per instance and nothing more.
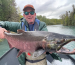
(28, 7)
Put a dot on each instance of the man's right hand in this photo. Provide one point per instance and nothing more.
(2, 30)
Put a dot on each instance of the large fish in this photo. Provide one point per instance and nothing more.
(32, 41)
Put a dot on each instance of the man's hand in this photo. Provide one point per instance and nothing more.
(2, 30)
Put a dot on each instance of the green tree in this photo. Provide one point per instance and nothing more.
(19, 13)
(49, 21)
(69, 20)
(8, 10)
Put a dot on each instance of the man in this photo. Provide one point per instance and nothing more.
(28, 23)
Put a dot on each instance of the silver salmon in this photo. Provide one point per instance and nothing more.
(31, 41)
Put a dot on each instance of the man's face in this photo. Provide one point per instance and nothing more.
(29, 18)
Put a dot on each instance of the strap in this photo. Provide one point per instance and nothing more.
(36, 27)
(34, 61)
(24, 27)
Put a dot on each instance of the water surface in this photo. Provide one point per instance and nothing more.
(67, 30)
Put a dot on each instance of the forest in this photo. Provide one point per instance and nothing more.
(68, 19)
(9, 12)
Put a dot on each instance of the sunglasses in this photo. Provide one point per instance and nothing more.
(27, 13)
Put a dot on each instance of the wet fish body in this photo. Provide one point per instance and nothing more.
(31, 41)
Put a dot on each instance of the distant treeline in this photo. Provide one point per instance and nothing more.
(49, 21)
(68, 19)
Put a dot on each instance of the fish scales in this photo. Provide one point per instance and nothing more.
(30, 41)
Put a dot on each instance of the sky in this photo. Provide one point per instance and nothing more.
(49, 8)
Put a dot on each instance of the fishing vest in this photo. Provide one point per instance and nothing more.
(35, 26)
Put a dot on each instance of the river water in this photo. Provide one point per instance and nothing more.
(69, 30)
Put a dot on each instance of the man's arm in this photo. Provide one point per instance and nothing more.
(6, 25)
(43, 26)
(12, 26)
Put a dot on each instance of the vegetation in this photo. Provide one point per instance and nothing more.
(49, 21)
(68, 19)
(19, 13)
(8, 10)
(1, 40)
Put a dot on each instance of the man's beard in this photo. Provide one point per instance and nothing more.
(31, 22)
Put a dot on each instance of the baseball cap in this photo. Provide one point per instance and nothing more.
(28, 5)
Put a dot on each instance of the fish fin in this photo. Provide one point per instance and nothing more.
(38, 53)
(56, 56)
(63, 49)
(10, 45)
(19, 53)
(20, 31)
(8, 31)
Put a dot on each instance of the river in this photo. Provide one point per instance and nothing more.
(69, 30)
